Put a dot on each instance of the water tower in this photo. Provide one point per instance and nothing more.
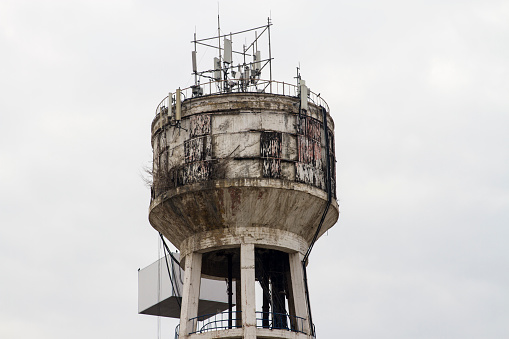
(243, 186)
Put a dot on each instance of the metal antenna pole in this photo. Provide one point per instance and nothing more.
(196, 71)
(270, 55)
(219, 43)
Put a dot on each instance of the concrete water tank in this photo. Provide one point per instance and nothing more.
(241, 164)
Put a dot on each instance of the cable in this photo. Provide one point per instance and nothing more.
(165, 247)
(168, 249)
(159, 291)
(326, 209)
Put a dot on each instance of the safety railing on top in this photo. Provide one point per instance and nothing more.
(260, 86)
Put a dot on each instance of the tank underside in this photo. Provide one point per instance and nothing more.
(240, 204)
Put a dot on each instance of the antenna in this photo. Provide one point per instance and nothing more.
(223, 72)
(193, 55)
(227, 51)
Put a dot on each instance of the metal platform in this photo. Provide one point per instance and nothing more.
(157, 296)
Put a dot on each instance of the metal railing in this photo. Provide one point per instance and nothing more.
(219, 321)
(261, 86)
(280, 321)
(177, 330)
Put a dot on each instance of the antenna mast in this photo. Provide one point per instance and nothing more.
(230, 77)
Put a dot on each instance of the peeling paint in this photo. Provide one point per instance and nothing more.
(272, 168)
(200, 125)
(198, 149)
(309, 168)
(309, 175)
(313, 129)
(270, 144)
(196, 171)
(270, 151)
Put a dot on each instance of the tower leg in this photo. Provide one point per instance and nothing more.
(247, 280)
(190, 295)
(297, 293)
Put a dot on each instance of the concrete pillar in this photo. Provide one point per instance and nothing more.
(298, 293)
(247, 280)
(190, 294)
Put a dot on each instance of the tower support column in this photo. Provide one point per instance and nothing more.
(191, 294)
(298, 293)
(247, 280)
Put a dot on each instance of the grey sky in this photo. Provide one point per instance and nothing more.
(419, 92)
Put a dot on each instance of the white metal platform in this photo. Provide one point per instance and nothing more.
(156, 296)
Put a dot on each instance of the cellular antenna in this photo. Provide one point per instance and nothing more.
(225, 73)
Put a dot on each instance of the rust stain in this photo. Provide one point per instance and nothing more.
(260, 194)
(235, 196)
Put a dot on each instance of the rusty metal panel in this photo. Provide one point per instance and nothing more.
(304, 149)
(309, 168)
(309, 175)
(313, 129)
(317, 154)
(270, 144)
(196, 171)
(197, 149)
(272, 168)
(309, 151)
(200, 125)
(270, 151)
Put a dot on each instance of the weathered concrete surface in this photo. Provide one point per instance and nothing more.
(191, 294)
(240, 203)
(240, 160)
(247, 290)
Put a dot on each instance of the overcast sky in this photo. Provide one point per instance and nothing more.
(419, 91)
